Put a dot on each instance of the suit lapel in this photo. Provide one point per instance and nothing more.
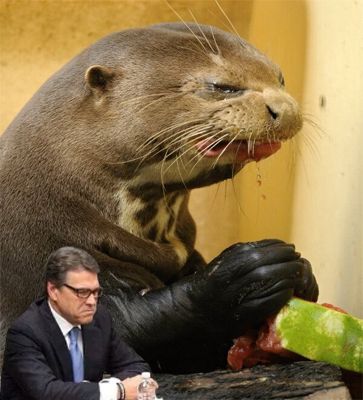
(58, 343)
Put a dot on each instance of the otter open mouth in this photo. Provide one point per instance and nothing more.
(239, 150)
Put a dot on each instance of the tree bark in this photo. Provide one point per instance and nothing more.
(296, 381)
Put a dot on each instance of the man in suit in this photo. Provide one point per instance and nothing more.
(64, 343)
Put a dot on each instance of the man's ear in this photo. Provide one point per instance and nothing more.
(51, 290)
(98, 78)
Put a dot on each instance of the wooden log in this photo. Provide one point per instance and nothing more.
(296, 381)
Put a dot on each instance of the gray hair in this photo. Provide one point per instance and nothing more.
(68, 259)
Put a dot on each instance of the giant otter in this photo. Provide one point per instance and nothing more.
(103, 157)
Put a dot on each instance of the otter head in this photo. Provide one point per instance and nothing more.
(188, 105)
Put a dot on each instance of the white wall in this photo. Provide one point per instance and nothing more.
(327, 221)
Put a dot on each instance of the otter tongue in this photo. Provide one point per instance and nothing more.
(238, 150)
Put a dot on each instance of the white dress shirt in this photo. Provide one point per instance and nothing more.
(108, 388)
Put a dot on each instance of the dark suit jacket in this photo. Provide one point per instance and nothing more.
(37, 363)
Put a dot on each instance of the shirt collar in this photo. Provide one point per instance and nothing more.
(64, 325)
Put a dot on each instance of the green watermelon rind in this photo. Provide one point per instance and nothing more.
(321, 334)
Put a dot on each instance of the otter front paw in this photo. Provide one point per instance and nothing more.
(250, 281)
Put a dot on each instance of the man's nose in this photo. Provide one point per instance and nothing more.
(91, 299)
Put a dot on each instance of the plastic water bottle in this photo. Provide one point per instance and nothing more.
(147, 388)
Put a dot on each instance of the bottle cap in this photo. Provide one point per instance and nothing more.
(146, 375)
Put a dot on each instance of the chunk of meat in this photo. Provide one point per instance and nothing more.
(258, 347)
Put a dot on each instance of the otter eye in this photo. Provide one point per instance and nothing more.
(212, 91)
(227, 89)
(281, 79)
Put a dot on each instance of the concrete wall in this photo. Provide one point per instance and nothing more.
(311, 191)
(327, 223)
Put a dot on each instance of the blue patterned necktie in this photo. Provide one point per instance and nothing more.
(76, 355)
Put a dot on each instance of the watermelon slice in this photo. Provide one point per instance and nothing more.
(302, 328)
(321, 334)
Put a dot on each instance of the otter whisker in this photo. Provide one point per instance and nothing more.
(203, 34)
(182, 142)
(154, 151)
(187, 149)
(308, 119)
(125, 161)
(192, 50)
(215, 41)
(188, 27)
(175, 137)
(151, 152)
(180, 174)
(230, 23)
(163, 172)
(233, 166)
(274, 137)
(191, 133)
(200, 154)
(139, 98)
(207, 134)
(216, 142)
(251, 144)
(225, 149)
(194, 132)
(292, 152)
(236, 196)
(216, 193)
(311, 145)
(136, 99)
(254, 144)
(198, 49)
(156, 135)
(173, 95)
(269, 138)
(292, 159)
(162, 181)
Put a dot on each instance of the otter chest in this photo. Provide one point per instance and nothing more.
(153, 219)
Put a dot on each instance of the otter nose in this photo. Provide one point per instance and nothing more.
(273, 113)
(283, 111)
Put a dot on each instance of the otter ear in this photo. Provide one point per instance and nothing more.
(98, 77)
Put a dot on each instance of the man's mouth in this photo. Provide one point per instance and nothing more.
(89, 312)
(239, 150)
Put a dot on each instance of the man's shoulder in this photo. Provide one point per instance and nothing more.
(32, 314)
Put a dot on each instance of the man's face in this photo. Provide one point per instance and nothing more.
(65, 301)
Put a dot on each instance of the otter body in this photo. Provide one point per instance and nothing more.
(104, 155)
